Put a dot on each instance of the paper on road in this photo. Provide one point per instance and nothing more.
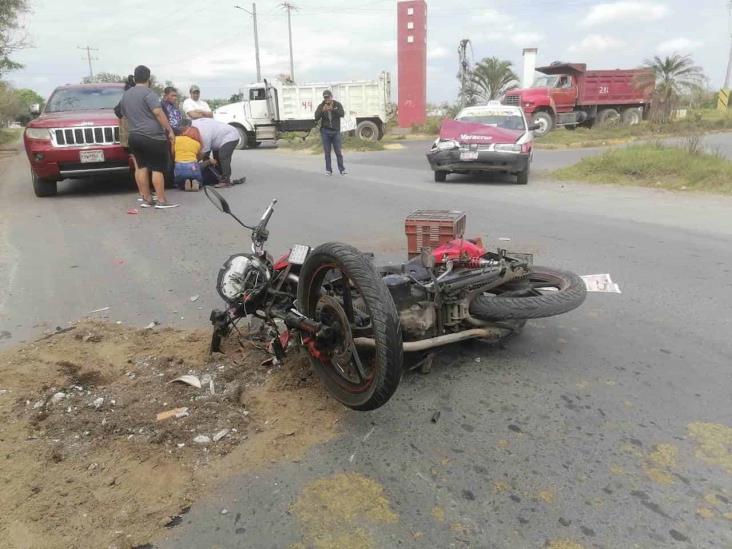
(601, 283)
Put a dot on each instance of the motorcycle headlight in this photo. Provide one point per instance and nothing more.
(242, 278)
(37, 133)
(446, 145)
(514, 148)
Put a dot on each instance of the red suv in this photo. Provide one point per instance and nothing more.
(76, 135)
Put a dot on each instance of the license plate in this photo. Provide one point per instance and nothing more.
(469, 155)
(91, 156)
(298, 254)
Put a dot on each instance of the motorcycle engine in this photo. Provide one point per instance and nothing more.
(243, 278)
(417, 314)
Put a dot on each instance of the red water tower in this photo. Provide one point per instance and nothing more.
(412, 66)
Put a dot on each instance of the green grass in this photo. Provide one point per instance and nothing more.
(312, 144)
(9, 135)
(685, 168)
(700, 121)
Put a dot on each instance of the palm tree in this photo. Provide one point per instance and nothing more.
(492, 77)
(668, 79)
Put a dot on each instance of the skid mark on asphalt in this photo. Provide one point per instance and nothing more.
(343, 511)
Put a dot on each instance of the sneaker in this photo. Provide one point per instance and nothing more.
(239, 181)
(328, 173)
(140, 199)
(187, 185)
(343, 172)
(223, 185)
(195, 186)
(165, 205)
(147, 203)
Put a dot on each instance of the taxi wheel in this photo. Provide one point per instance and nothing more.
(440, 176)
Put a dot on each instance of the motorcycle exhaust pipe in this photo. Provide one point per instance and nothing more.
(431, 343)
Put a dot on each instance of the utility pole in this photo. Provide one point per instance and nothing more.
(289, 7)
(728, 74)
(253, 13)
(89, 58)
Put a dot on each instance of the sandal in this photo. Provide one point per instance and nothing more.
(187, 186)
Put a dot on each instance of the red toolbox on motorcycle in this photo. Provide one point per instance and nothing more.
(432, 228)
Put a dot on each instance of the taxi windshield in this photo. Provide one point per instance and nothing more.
(506, 120)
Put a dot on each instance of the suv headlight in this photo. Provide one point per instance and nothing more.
(37, 133)
(514, 148)
(446, 145)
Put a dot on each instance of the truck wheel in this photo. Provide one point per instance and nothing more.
(440, 176)
(252, 142)
(44, 187)
(522, 178)
(367, 131)
(545, 121)
(632, 117)
(608, 118)
(243, 138)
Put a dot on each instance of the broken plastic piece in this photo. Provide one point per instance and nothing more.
(175, 412)
(193, 381)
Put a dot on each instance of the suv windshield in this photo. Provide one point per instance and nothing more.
(507, 120)
(545, 82)
(84, 99)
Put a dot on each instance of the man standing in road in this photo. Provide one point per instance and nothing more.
(150, 138)
(220, 140)
(329, 114)
(195, 107)
(169, 104)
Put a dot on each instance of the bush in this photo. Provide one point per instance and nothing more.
(687, 167)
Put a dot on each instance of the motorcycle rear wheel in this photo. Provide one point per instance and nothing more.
(545, 292)
(334, 276)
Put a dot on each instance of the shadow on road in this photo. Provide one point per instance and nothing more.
(101, 186)
(482, 179)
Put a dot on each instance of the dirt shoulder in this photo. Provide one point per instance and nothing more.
(102, 450)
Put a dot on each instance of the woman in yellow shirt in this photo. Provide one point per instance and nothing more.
(187, 174)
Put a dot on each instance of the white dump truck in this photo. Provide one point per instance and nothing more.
(271, 108)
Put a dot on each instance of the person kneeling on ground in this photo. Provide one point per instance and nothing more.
(187, 175)
(220, 140)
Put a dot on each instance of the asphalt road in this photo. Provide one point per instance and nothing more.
(610, 426)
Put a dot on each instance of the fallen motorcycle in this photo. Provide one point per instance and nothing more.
(356, 320)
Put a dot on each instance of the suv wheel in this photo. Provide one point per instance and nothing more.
(44, 187)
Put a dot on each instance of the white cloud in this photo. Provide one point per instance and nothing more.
(527, 39)
(437, 52)
(617, 11)
(678, 45)
(597, 43)
(494, 17)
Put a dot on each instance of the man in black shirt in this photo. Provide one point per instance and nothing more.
(329, 114)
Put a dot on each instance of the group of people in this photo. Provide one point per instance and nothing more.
(190, 146)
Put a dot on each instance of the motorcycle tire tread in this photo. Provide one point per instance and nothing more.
(384, 318)
(569, 297)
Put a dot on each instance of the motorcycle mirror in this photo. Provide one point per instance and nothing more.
(216, 199)
(428, 260)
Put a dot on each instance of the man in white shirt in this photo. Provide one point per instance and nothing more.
(195, 107)
(220, 140)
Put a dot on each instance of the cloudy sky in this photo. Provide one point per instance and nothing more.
(210, 43)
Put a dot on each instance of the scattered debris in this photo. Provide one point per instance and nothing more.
(99, 310)
(221, 434)
(435, 417)
(133, 211)
(504, 239)
(152, 325)
(202, 439)
(175, 412)
(601, 283)
(57, 397)
(224, 511)
(98, 402)
(194, 298)
(477, 359)
(193, 381)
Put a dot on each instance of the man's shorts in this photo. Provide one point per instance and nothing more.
(150, 153)
(187, 170)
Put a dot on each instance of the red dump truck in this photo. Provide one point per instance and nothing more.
(569, 95)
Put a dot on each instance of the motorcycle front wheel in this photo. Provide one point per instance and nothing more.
(340, 288)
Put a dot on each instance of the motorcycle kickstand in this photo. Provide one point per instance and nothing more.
(425, 366)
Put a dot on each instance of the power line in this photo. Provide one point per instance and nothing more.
(89, 58)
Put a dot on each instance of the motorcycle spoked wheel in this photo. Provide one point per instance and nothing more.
(339, 287)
